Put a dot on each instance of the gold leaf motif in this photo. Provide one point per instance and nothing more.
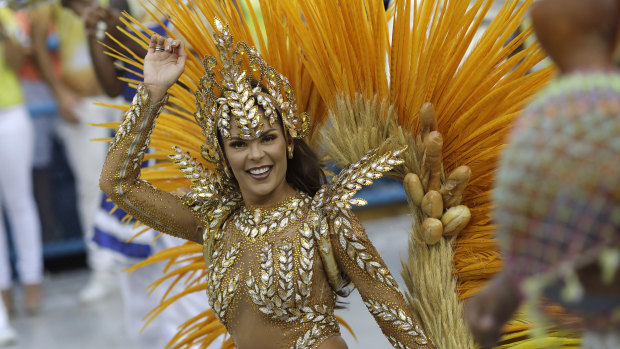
(218, 24)
(249, 104)
(357, 252)
(273, 220)
(220, 296)
(397, 317)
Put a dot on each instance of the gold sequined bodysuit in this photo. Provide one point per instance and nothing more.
(271, 272)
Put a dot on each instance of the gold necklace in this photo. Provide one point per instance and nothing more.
(256, 222)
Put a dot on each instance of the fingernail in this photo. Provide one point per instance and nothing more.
(168, 47)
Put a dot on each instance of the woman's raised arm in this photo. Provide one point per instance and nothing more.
(120, 177)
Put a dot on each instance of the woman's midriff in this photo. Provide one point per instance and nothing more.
(249, 329)
(268, 339)
(333, 342)
(252, 330)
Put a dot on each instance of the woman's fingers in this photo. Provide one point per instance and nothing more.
(161, 42)
(153, 43)
(168, 44)
(175, 46)
(158, 43)
(180, 49)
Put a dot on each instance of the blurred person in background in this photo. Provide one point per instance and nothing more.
(110, 233)
(76, 91)
(558, 186)
(8, 335)
(16, 154)
(41, 105)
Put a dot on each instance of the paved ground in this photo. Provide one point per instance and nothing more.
(65, 324)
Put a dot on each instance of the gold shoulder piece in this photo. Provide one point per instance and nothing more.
(339, 195)
(336, 199)
(206, 187)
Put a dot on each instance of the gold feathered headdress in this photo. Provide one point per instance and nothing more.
(243, 92)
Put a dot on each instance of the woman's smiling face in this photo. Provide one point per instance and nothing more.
(259, 165)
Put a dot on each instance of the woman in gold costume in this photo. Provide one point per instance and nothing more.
(276, 254)
(279, 243)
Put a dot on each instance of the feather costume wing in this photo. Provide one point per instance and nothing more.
(477, 86)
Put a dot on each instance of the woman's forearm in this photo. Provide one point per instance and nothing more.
(120, 178)
(362, 263)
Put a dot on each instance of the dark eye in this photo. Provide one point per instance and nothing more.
(269, 138)
(237, 144)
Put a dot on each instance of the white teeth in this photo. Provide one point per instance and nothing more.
(259, 171)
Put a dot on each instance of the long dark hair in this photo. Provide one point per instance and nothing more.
(304, 171)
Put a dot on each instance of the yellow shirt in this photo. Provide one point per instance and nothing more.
(11, 92)
(77, 71)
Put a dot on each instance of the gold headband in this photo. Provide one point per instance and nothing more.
(234, 94)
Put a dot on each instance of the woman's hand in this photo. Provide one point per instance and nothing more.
(488, 311)
(163, 65)
(98, 20)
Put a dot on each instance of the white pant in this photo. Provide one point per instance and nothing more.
(85, 158)
(4, 317)
(16, 198)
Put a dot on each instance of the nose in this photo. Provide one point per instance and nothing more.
(256, 150)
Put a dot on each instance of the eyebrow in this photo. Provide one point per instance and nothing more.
(262, 134)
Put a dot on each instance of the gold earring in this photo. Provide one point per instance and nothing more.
(227, 172)
(289, 151)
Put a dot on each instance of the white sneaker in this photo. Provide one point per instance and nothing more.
(8, 336)
(100, 286)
